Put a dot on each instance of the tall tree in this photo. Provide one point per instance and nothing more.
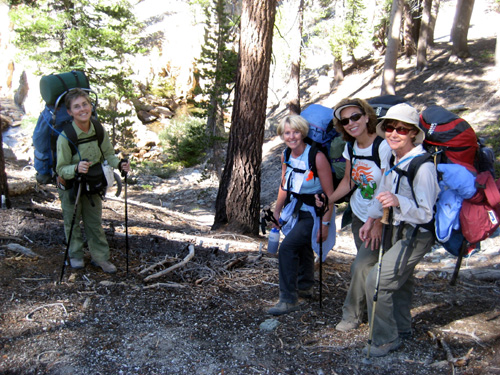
(295, 40)
(96, 36)
(217, 75)
(238, 198)
(411, 24)
(460, 28)
(391, 54)
(424, 36)
(4, 187)
(432, 22)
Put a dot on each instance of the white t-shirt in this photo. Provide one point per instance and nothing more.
(367, 175)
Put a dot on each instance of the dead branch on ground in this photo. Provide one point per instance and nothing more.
(175, 266)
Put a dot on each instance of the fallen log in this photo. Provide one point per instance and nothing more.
(175, 266)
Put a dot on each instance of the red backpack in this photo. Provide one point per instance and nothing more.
(450, 135)
(480, 215)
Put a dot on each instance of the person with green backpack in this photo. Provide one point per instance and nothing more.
(78, 165)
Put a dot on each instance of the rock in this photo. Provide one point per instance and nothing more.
(5, 122)
(269, 325)
(162, 112)
(146, 117)
(22, 91)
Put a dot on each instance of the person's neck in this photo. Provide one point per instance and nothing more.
(298, 151)
(365, 140)
(84, 126)
(400, 154)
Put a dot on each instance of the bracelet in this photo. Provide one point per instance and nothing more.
(326, 223)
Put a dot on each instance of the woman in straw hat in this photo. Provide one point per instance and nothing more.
(409, 240)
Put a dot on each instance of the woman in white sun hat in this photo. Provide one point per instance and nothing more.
(409, 241)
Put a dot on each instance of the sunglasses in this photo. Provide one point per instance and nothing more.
(355, 117)
(400, 130)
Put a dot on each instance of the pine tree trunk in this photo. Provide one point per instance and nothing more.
(295, 42)
(408, 27)
(432, 22)
(338, 72)
(238, 198)
(460, 28)
(4, 187)
(391, 54)
(423, 37)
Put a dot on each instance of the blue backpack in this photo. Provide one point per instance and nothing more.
(321, 129)
(54, 119)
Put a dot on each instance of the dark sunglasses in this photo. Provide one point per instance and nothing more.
(400, 130)
(353, 118)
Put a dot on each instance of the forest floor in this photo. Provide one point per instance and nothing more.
(209, 315)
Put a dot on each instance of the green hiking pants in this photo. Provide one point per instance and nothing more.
(92, 224)
(393, 309)
(355, 302)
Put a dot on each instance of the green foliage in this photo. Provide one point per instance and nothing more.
(157, 168)
(186, 140)
(96, 36)
(347, 35)
(218, 64)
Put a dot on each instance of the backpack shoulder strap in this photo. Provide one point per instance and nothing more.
(376, 155)
(412, 170)
(71, 136)
(99, 129)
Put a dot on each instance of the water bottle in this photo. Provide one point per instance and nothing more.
(274, 241)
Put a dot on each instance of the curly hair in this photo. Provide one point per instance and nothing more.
(365, 108)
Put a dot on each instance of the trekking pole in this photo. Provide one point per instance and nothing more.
(79, 180)
(384, 221)
(463, 250)
(124, 174)
(321, 210)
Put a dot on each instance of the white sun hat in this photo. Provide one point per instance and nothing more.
(405, 113)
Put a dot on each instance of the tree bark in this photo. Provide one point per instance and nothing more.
(460, 28)
(409, 29)
(4, 187)
(338, 72)
(432, 22)
(423, 37)
(391, 54)
(295, 41)
(238, 198)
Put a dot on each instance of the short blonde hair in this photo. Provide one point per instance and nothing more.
(296, 122)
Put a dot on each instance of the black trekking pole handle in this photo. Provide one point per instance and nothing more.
(80, 182)
(321, 211)
(125, 174)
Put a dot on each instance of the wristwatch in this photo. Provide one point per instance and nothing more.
(326, 223)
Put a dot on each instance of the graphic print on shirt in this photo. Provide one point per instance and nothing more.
(362, 176)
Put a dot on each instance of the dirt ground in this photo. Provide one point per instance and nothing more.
(208, 316)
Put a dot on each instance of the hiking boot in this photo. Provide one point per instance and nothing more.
(283, 308)
(306, 293)
(382, 350)
(405, 335)
(105, 265)
(76, 263)
(346, 325)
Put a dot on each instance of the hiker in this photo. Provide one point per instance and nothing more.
(89, 207)
(410, 242)
(366, 155)
(295, 206)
